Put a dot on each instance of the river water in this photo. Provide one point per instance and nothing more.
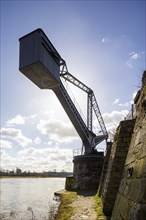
(28, 198)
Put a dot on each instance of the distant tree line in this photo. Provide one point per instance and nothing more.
(18, 172)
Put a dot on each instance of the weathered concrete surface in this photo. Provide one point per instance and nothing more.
(116, 164)
(87, 171)
(131, 198)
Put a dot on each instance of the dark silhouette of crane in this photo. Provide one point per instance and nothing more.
(43, 65)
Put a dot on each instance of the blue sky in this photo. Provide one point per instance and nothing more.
(103, 44)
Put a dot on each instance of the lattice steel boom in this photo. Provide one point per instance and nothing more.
(92, 102)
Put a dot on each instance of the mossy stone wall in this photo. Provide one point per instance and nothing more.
(131, 197)
(116, 164)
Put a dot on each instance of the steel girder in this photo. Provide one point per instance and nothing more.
(91, 101)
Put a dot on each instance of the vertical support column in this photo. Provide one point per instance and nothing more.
(89, 111)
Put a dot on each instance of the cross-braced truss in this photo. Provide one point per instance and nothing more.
(91, 100)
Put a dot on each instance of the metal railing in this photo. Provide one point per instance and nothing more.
(132, 113)
(79, 152)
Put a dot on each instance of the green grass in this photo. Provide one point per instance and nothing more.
(65, 210)
(99, 208)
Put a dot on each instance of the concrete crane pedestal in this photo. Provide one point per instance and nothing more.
(86, 173)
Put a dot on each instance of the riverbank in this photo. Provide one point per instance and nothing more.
(79, 205)
(22, 198)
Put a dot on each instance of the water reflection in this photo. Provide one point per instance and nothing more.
(22, 196)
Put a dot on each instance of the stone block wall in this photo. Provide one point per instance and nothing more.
(116, 164)
(131, 197)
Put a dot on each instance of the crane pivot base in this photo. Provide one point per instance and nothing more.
(87, 171)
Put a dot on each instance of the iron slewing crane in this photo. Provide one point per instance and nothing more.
(42, 64)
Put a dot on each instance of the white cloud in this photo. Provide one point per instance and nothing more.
(57, 130)
(50, 143)
(105, 40)
(16, 120)
(134, 55)
(129, 65)
(39, 159)
(5, 144)
(52, 157)
(9, 162)
(16, 135)
(19, 120)
(49, 112)
(2, 153)
(134, 95)
(37, 140)
(126, 104)
(116, 101)
(32, 116)
(113, 119)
